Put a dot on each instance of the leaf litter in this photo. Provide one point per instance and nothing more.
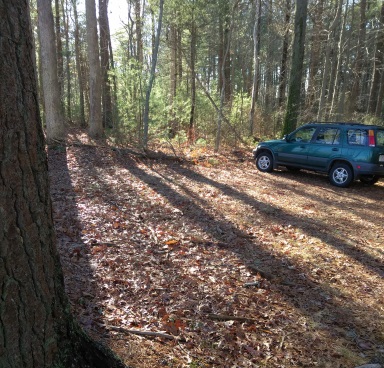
(184, 263)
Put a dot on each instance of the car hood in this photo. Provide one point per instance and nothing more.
(271, 143)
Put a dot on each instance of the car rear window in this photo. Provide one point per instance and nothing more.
(380, 137)
(357, 137)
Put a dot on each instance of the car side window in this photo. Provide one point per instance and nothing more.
(328, 136)
(380, 138)
(357, 137)
(303, 135)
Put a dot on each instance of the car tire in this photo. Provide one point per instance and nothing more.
(264, 162)
(341, 175)
(369, 179)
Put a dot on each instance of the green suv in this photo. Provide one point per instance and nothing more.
(345, 151)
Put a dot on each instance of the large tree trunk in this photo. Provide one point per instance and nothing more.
(294, 94)
(51, 87)
(95, 118)
(36, 329)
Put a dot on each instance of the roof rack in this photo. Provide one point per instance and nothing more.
(336, 122)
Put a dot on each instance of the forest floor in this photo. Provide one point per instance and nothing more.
(207, 262)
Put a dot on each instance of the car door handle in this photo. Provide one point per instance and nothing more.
(335, 149)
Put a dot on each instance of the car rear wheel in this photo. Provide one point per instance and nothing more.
(341, 175)
(264, 162)
(369, 179)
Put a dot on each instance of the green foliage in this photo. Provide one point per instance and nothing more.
(372, 120)
(170, 116)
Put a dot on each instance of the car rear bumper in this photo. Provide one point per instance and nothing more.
(369, 169)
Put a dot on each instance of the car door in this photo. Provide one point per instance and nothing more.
(325, 145)
(295, 151)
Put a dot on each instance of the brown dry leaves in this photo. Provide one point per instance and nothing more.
(243, 269)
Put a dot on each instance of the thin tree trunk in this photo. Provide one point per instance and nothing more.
(316, 43)
(377, 68)
(224, 71)
(139, 33)
(269, 85)
(340, 46)
(67, 60)
(295, 80)
(327, 64)
(51, 90)
(341, 106)
(284, 56)
(379, 105)
(115, 110)
(78, 64)
(256, 48)
(59, 48)
(152, 77)
(172, 125)
(354, 102)
(191, 128)
(95, 118)
(105, 67)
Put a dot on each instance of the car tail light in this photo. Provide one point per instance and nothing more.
(371, 138)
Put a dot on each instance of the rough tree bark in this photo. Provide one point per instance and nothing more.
(36, 327)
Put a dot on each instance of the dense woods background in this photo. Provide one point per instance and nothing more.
(211, 72)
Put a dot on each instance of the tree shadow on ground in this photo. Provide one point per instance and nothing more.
(323, 304)
(291, 280)
(309, 226)
(82, 287)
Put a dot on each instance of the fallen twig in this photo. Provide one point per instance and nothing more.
(142, 333)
